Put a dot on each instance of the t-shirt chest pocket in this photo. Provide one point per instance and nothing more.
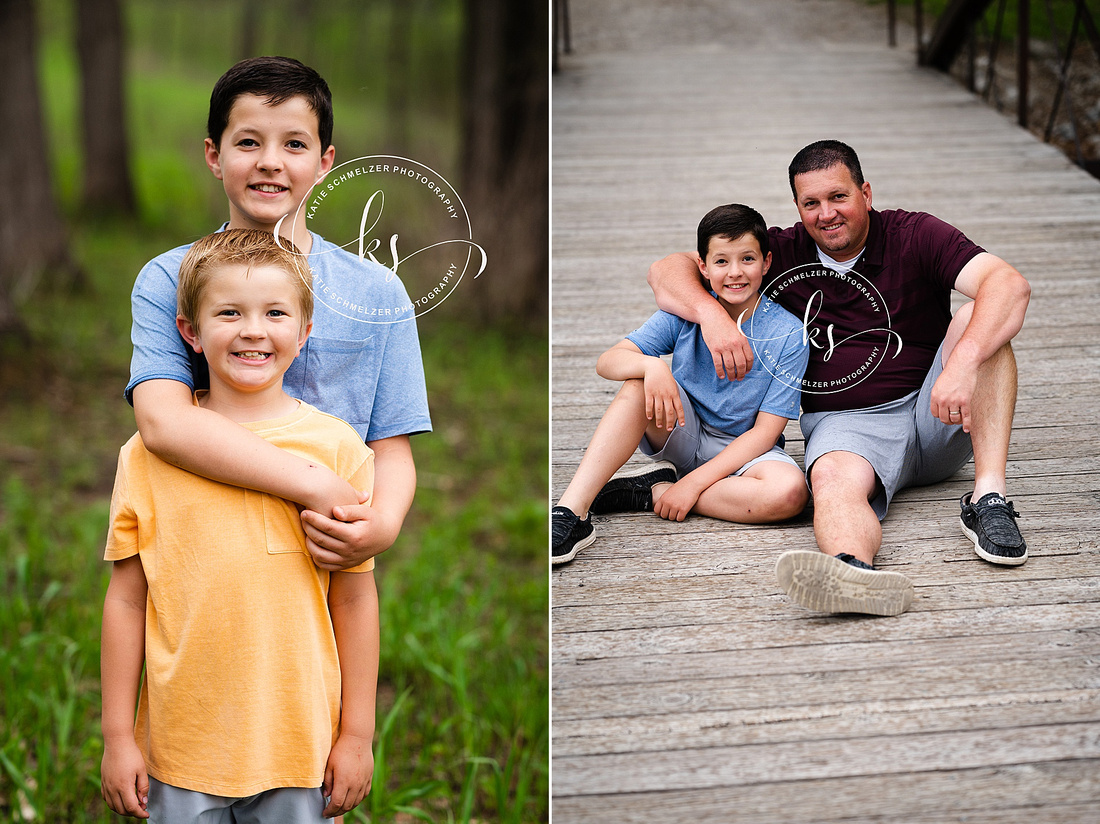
(282, 526)
(340, 376)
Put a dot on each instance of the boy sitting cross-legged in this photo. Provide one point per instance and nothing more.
(260, 668)
(718, 440)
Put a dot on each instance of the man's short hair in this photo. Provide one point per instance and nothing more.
(276, 80)
(824, 154)
(240, 247)
(732, 221)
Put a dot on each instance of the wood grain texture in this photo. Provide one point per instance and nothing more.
(686, 686)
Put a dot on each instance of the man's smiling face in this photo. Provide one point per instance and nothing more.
(834, 210)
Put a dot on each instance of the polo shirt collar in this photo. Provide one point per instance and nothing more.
(870, 260)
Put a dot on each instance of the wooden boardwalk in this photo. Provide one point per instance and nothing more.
(686, 687)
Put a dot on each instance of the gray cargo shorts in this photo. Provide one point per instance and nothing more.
(901, 440)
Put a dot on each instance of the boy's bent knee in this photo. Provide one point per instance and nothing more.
(789, 499)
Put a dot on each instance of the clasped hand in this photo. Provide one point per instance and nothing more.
(353, 535)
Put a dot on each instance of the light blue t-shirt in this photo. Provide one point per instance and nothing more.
(773, 384)
(361, 363)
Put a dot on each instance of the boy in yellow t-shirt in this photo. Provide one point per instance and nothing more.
(260, 668)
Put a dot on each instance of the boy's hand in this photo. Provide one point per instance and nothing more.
(348, 774)
(728, 347)
(677, 501)
(355, 534)
(662, 396)
(124, 781)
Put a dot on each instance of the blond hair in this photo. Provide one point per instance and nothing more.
(239, 247)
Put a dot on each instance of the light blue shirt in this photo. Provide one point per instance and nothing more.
(773, 384)
(361, 363)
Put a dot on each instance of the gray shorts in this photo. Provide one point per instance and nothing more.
(690, 446)
(901, 440)
(292, 805)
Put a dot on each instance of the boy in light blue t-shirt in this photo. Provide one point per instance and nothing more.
(717, 441)
(269, 142)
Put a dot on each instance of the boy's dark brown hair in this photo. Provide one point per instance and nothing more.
(276, 80)
(731, 221)
(824, 154)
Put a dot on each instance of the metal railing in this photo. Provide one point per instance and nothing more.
(961, 31)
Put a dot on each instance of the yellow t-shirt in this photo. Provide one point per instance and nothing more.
(242, 682)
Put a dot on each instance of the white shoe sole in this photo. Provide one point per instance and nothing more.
(642, 469)
(581, 544)
(821, 582)
(1000, 560)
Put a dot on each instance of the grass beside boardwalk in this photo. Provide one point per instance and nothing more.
(463, 698)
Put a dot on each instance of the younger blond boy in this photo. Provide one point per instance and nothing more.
(260, 668)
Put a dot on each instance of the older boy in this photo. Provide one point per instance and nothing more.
(270, 140)
(719, 441)
(260, 668)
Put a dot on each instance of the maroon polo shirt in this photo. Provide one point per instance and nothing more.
(899, 292)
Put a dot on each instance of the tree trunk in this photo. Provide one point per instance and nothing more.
(108, 186)
(506, 173)
(32, 235)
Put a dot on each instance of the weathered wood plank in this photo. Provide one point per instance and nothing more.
(822, 720)
(800, 760)
(1043, 792)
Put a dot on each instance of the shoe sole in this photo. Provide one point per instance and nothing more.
(1000, 560)
(577, 547)
(821, 582)
(642, 469)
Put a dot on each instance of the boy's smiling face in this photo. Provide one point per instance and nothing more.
(268, 158)
(250, 326)
(735, 268)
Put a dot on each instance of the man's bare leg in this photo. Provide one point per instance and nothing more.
(845, 525)
(992, 409)
(844, 522)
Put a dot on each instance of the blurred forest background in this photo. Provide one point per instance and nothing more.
(104, 104)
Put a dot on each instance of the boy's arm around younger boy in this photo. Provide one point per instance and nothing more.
(353, 605)
(362, 531)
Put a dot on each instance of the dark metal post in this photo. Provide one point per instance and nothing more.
(918, 19)
(1023, 48)
(892, 21)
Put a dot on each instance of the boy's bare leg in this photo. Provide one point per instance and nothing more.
(769, 491)
(616, 437)
(844, 521)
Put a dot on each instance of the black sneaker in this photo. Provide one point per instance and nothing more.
(991, 525)
(842, 584)
(569, 534)
(632, 489)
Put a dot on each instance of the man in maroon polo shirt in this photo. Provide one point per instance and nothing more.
(898, 392)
